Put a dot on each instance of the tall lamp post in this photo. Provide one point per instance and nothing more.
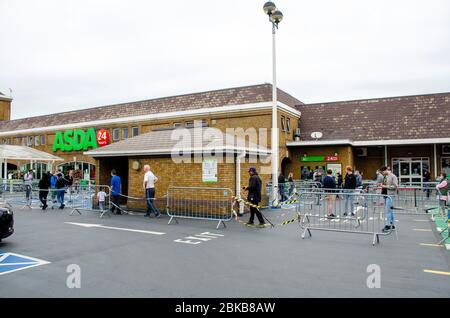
(275, 17)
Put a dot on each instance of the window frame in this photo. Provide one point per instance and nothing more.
(132, 131)
(125, 129)
(283, 123)
(288, 124)
(118, 134)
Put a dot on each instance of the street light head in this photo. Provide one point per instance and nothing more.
(269, 8)
(277, 16)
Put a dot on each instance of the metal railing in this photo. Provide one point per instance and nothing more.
(411, 200)
(358, 213)
(202, 203)
(75, 198)
(88, 199)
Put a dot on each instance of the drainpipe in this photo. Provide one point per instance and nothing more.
(238, 178)
(435, 162)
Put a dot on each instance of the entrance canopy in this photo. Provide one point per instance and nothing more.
(10, 152)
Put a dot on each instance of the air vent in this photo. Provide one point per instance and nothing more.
(361, 152)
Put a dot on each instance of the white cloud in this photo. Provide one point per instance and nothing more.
(64, 55)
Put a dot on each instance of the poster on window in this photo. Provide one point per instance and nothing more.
(209, 170)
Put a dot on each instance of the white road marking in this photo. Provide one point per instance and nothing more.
(87, 225)
(34, 262)
(199, 238)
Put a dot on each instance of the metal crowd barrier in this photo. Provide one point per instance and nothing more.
(75, 199)
(202, 203)
(413, 200)
(86, 199)
(291, 190)
(362, 215)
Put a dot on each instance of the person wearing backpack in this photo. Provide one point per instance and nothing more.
(61, 190)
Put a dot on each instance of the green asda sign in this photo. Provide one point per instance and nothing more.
(75, 140)
(312, 158)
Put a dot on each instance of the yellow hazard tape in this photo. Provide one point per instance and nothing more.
(287, 202)
(267, 225)
(239, 199)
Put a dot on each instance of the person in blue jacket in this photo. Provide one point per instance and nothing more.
(53, 180)
(115, 192)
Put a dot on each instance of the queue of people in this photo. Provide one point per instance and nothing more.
(53, 184)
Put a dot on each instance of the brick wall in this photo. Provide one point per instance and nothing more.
(5, 110)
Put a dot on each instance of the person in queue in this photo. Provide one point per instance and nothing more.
(149, 186)
(115, 192)
(349, 191)
(61, 190)
(443, 189)
(388, 187)
(329, 185)
(44, 187)
(28, 182)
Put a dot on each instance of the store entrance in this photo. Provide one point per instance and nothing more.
(120, 164)
(411, 170)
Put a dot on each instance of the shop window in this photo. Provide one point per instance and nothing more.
(288, 125)
(116, 134)
(37, 140)
(189, 124)
(204, 123)
(445, 165)
(134, 131)
(30, 141)
(38, 169)
(125, 133)
(83, 171)
(283, 123)
(177, 125)
(43, 140)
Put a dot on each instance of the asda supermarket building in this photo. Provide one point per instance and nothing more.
(409, 133)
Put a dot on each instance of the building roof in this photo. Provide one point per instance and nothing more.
(210, 99)
(10, 152)
(166, 142)
(390, 118)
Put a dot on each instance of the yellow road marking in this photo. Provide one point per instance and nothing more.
(432, 245)
(436, 272)
(422, 230)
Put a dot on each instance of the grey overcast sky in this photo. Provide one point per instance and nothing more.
(60, 55)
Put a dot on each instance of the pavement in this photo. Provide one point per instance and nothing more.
(133, 256)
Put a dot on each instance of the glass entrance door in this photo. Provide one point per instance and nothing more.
(410, 170)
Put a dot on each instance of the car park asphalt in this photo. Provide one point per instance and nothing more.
(133, 256)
